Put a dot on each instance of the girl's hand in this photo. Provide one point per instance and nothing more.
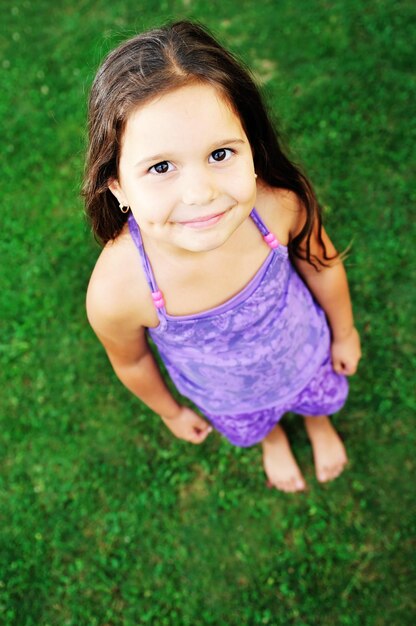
(346, 353)
(188, 425)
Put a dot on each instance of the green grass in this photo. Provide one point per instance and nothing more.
(106, 520)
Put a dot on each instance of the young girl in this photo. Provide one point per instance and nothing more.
(214, 249)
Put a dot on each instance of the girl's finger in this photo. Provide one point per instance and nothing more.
(202, 427)
(202, 434)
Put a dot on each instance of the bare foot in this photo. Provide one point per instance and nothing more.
(328, 450)
(279, 463)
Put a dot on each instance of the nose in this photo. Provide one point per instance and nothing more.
(198, 188)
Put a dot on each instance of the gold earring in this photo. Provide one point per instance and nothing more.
(255, 175)
(124, 209)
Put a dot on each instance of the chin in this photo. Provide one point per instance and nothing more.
(202, 247)
(203, 244)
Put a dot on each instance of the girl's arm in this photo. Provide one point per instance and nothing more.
(329, 286)
(135, 366)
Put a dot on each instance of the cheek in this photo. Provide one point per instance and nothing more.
(149, 199)
(156, 207)
(244, 187)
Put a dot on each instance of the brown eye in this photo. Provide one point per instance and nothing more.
(160, 168)
(219, 155)
(222, 154)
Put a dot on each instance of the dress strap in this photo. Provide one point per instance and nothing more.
(150, 277)
(157, 295)
(268, 236)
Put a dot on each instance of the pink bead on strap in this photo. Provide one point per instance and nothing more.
(158, 300)
(271, 240)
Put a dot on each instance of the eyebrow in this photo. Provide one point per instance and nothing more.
(162, 157)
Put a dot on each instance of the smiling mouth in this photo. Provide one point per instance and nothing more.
(203, 222)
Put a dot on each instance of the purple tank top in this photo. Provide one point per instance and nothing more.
(255, 351)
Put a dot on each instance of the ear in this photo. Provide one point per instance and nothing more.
(116, 190)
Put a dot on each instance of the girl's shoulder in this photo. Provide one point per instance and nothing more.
(281, 211)
(118, 294)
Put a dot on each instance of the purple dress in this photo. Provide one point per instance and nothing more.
(248, 361)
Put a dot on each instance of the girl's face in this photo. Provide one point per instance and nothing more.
(186, 169)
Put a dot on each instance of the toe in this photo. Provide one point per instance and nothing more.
(328, 473)
(301, 485)
(294, 485)
(291, 485)
(338, 469)
(323, 475)
(282, 485)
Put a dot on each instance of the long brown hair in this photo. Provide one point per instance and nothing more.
(154, 63)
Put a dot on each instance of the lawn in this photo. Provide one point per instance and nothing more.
(106, 519)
